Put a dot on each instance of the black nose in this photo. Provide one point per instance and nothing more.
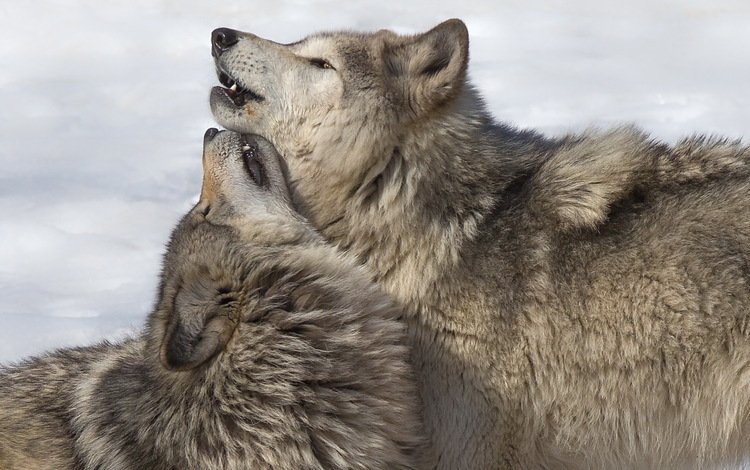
(222, 39)
(210, 134)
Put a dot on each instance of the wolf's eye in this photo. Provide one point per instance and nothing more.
(321, 64)
(252, 165)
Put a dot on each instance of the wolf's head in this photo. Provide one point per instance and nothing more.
(207, 278)
(337, 104)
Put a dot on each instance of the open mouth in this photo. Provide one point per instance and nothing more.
(236, 92)
(254, 168)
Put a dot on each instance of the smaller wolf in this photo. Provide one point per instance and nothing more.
(267, 348)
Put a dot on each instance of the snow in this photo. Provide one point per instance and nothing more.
(103, 107)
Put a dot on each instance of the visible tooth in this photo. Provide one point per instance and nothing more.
(245, 147)
(233, 87)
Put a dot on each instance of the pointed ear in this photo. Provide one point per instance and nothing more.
(431, 66)
(200, 327)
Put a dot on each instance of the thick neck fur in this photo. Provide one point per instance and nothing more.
(440, 181)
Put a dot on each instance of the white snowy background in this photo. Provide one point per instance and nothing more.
(103, 105)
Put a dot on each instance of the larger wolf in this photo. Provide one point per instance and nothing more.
(577, 302)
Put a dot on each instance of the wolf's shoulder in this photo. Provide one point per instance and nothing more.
(577, 182)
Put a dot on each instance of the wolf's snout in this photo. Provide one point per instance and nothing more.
(222, 39)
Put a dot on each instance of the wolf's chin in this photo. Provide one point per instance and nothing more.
(228, 115)
(223, 105)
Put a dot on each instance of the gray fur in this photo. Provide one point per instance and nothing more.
(267, 348)
(579, 302)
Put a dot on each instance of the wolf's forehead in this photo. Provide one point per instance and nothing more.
(331, 43)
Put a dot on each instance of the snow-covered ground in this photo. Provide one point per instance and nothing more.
(103, 105)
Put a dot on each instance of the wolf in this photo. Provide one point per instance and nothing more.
(573, 302)
(267, 348)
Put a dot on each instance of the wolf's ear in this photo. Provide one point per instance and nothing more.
(199, 328)
(431, 66)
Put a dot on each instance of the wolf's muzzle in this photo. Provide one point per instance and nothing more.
(210, 134)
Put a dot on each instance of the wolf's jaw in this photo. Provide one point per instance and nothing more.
(236, 91)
